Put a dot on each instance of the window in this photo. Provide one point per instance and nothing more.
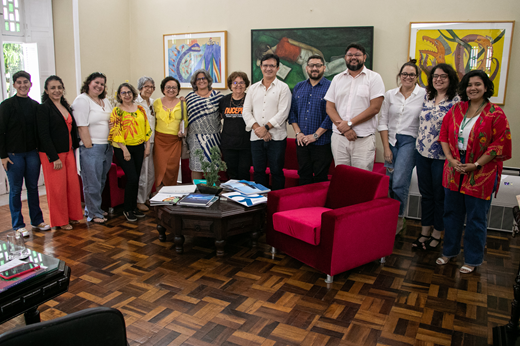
(12, 13)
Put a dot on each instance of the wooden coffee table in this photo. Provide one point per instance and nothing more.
(223, 219)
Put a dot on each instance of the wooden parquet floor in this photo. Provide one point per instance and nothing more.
(250, 297)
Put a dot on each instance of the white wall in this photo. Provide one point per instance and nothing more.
(124, 38)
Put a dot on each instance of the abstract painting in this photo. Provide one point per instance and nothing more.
(294, 46)
(466, 46)
(186, 53)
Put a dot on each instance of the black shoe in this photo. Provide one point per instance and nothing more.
(139, 213)
(130, 216)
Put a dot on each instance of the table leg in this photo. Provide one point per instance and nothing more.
(254, 238)
(219, 244)
(32, 316)
(178, 240)
(162, 233)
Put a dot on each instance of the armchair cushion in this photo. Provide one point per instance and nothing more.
(350, 185)
(303, 224)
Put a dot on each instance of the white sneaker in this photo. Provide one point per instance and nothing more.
(42, 227)
(23, 232)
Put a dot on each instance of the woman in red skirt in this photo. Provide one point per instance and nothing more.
(58, 138)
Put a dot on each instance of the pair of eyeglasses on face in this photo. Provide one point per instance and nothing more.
(267, 66)
(408, 75)
(239, 83)
(149, 87)
(170, 88)
(126, 93)
(315, 65)
(358, 55)
(201, 79)
(440, 76)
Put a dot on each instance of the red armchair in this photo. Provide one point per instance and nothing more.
(334, 226)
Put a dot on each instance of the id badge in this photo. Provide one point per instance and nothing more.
(460, 143)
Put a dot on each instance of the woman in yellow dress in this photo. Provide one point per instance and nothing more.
(130, 136)
(170, 113)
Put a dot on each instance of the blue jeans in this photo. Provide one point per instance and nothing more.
(274, 152)
(95, 164)
(429, 177)
(25, 165)
(400, 170)
(457, 206)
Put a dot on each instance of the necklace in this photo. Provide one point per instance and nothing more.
(238, 104)
(98, 101)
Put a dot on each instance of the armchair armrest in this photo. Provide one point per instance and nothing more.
(358, 234)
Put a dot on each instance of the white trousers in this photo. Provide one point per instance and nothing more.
(147, 178)
(360, 153)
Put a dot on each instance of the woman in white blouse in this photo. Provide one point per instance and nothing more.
(398, 127)
(92, 115)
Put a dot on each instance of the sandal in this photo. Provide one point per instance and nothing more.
(67, 227)
(74, 222)
(427, 244)
(442, 261)
(98, 220)
(465, 269)
(419, 244)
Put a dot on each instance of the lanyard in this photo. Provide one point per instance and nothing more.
(464, 122)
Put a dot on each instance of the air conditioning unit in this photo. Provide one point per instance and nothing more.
(500, 217)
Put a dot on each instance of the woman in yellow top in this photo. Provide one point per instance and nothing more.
(170, 114)
(130, 136)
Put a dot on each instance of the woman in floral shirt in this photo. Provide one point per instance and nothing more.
(476, 139)
(130, 136)
(441, 95)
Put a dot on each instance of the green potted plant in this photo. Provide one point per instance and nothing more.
(210, 170)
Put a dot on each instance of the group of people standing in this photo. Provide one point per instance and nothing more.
(450, 131)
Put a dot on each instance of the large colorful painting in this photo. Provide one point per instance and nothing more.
(186, 53)
(466, 46)
(294, 46)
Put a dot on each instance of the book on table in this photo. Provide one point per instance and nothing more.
(198, 200)
(170, 195)
(245, 187)
(245, 200)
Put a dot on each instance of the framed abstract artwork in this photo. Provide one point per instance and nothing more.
(294, 46)
(466, 46)
(186, 53)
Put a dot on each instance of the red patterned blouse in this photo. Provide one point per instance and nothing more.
(490, 135)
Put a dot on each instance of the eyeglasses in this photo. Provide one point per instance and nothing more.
(125, 93)
(267, 66)
(239, 83)
(358, 55)
(149, 87)
(406, 75)
(440, 76)
(201, 78)
(315, 65)
(170, 88)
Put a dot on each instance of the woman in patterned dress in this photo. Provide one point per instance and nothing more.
(203, 119)
(441, 95)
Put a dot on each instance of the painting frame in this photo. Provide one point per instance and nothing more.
(181, 63)
(475, 50)
(331, 41)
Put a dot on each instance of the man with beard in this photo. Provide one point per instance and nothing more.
(310, 122)
(353, 100)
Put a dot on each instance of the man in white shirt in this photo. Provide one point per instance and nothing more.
(353, 101)
(266, 109)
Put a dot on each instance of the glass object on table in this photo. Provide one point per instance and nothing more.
(16, 246)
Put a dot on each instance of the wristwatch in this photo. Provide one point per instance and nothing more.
(478, 165)
(315, 135)
(297, 133)
(267, 127)
(349, 123)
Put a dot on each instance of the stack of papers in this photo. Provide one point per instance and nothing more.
(245, 187)
(198, 200)
(245, 200)
(170, 195)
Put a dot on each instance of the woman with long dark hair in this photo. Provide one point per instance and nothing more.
(441, 95)
(57, 131)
